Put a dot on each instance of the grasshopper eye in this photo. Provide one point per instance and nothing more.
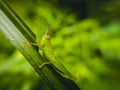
(47, 36)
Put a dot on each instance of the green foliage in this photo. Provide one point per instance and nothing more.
(88, 48)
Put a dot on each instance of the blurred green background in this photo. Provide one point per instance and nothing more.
(85, 37)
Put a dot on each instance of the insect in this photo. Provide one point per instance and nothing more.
(46, 49)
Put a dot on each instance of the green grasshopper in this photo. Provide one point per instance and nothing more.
(45, 49)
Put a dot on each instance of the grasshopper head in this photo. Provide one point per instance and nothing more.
(44, 40)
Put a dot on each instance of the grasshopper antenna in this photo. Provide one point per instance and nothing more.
(47, 32)
(47, 29)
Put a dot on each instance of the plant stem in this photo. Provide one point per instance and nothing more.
(21, 37)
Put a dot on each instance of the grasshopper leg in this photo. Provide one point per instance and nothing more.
(43, 64)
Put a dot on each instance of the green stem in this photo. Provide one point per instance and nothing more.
(22, 37)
